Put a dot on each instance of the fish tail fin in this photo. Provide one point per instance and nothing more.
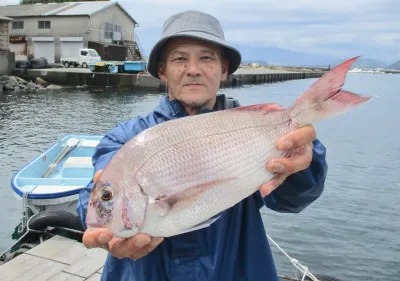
(325, 98)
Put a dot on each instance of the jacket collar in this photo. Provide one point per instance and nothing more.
(174, 109)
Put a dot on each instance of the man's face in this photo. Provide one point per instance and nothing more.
(193, 70)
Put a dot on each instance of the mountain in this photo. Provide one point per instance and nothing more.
(277, 56)
(368, 63)
(395, 65)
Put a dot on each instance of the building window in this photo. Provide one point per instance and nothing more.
(117, 28)
(117, 36)
(17, 25)
(108, 31)
(44, 24)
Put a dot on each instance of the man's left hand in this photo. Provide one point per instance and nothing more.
(298, 146)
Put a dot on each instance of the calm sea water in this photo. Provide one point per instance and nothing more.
(352, 232)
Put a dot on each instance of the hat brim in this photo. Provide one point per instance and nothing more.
(232, 54)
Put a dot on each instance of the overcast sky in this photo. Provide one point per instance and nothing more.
(341, 28)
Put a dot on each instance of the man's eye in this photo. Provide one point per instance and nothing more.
(206, 58)
(179, 59)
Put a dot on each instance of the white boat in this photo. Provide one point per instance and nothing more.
(52, 181)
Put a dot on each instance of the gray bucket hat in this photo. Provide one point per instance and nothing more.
(197, 25)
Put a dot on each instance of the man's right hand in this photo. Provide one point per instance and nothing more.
(134, 247)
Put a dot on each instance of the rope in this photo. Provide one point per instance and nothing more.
(28, 230)
(25, 225)
(303, 269)
(69, 229)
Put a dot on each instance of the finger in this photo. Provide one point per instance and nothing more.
(93, 238)
(129, 248)
(153, 244)
(140, 240)
(272, 184)
(298, 138)
(298, 162)
(120, 248)
(97, 175)
(275, 166)
(141, 252)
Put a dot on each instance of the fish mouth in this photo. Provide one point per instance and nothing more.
(126, 233)
(95, 225)
(92, 222)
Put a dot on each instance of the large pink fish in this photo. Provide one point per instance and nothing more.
(176, 176)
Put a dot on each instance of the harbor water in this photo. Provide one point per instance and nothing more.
(351, 232)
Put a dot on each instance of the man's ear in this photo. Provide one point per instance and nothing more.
(161, 73)
(225, 68)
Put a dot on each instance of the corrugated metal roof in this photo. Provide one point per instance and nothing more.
(59, 9)
(5, 19)
(86, 8)
(29, 10)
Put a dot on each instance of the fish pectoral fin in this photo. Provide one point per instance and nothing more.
(158, 207)
(201, 225)
(194, 192)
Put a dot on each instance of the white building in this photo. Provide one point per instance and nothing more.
(53, 30)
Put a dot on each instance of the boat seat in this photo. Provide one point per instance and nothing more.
(46, 189)
(78, 162)
(88, 143)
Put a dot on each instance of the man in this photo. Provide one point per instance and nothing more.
(192, 58)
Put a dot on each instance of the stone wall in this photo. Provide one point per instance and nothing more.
(4, 36)
(7, 62)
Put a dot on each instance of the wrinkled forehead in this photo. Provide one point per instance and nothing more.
(187, 43)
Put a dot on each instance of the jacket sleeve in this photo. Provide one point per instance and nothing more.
(302, 188)
(105, 150)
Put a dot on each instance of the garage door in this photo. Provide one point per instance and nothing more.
(70, 46)
(43, 47)
(20, 50)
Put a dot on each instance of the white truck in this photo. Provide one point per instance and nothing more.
(86, 56)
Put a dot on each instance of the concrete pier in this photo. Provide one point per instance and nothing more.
(84, 77)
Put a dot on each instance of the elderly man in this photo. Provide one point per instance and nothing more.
(192, 58)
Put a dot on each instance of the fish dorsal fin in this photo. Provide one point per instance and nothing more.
(264, 108)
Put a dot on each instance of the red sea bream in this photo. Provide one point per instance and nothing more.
(177, 175)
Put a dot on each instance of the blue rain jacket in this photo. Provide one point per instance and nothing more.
(235, 247)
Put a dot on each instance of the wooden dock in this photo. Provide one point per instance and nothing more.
(57, 259)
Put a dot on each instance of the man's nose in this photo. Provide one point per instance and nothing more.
(193, 68)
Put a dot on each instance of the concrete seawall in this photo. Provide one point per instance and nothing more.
(7, 62)
(83, 77)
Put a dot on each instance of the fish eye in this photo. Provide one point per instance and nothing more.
(106, 194)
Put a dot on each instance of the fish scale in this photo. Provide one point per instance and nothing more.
(203, 161)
